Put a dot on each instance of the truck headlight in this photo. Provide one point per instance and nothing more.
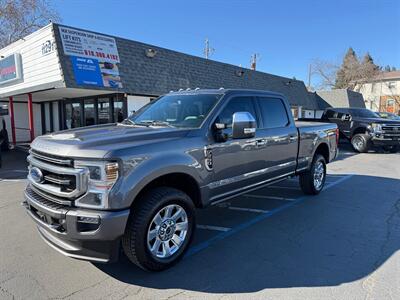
(102, 177)
(376, 128)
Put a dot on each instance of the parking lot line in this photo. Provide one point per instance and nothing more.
(204, 245)
(269, 197)
(255, 210)
(211, 227)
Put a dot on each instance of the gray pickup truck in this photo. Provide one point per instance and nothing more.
(136, 184)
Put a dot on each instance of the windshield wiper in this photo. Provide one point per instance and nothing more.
(154, 123)
(131, 123)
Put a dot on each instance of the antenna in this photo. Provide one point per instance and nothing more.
(208, 51)
(253, 61)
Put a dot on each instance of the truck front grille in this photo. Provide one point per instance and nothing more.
(55, 177)
(391, 131)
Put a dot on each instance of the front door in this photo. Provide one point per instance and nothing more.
(233, 160)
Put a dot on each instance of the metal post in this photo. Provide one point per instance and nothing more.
(12, 120)
(30, 113)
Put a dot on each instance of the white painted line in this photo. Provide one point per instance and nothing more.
(12, 180)
(255, 210)
(270, 197)
(210, 227)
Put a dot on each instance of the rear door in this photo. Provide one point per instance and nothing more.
(279, 148)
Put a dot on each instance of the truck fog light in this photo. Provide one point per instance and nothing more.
(89, 220)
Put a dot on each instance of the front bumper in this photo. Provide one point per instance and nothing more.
(382, 141)
(85, 234)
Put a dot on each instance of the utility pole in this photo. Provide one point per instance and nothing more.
(253, 62)
(208, 51)
(309, 77)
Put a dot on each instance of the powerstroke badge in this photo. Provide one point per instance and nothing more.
(208, 159)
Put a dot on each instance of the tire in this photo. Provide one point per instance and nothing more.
(361, 142)
(308, 181)
(144, 230)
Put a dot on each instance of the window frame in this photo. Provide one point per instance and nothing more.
(255, 106)
(264, 126)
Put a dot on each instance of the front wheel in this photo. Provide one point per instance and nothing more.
(360, 142)
(159, 229)
(312, 181)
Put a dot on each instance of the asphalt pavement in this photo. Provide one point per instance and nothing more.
(272, 243)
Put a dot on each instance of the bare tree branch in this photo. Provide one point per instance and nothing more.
(19, 18)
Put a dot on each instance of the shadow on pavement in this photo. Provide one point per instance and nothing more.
(14, 165)
(340, 236)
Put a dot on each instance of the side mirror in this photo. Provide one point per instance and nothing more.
(243, 125)
(346, 117)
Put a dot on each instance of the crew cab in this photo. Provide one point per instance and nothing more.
(137, 183)
(365, 128)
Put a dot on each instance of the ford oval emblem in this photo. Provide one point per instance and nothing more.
(36, 175)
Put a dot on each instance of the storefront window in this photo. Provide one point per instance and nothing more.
(104, 110)
(118, 111)
(73, 115)
(89, 112)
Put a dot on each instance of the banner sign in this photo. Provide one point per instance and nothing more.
(90, 71)
(87, 71)
(10, 68)
(87, 44)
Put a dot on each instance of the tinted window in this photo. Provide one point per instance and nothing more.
(238, 104)
(363, 113)
(273, 113)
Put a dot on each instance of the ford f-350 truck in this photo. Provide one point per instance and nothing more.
(136, 184)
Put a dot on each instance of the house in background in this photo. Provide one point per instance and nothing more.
(382, 93)
(335, 98)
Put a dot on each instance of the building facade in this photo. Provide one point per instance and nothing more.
(383, 92)
(61, 77)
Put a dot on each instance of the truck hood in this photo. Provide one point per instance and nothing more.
(376, 120)
(97, 141)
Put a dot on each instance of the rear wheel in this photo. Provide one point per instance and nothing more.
(360, 142)
(312, 181)
(159, 229)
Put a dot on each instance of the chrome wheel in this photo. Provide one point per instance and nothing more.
(319, 175)
(358, 143)
(167, 231)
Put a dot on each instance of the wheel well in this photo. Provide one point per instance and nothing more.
(323, 149)
(180, 181)
(359, 130)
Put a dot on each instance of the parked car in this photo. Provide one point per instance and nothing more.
(390, 116)
(138, 182)
(365, 128)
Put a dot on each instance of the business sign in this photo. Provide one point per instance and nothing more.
(10, 69)
(87, 44)
(91, 71)
(87, 71)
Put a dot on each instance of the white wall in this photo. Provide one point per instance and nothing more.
(34, 62)
(373, 91)
(21, 119)
(136, 102)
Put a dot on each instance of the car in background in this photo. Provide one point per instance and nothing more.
(365, 128)
(387, 115)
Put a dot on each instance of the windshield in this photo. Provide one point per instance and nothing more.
(185, 111)
(364, 113)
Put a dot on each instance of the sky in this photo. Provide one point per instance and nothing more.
(288, 35)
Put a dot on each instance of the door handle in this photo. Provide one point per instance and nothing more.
(292, 138)
(261, 142)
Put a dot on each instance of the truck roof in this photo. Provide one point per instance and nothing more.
(224, 91)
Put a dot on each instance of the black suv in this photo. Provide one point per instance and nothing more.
(365, 128)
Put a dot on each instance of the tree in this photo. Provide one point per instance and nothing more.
(348, 71)
(19, 18)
